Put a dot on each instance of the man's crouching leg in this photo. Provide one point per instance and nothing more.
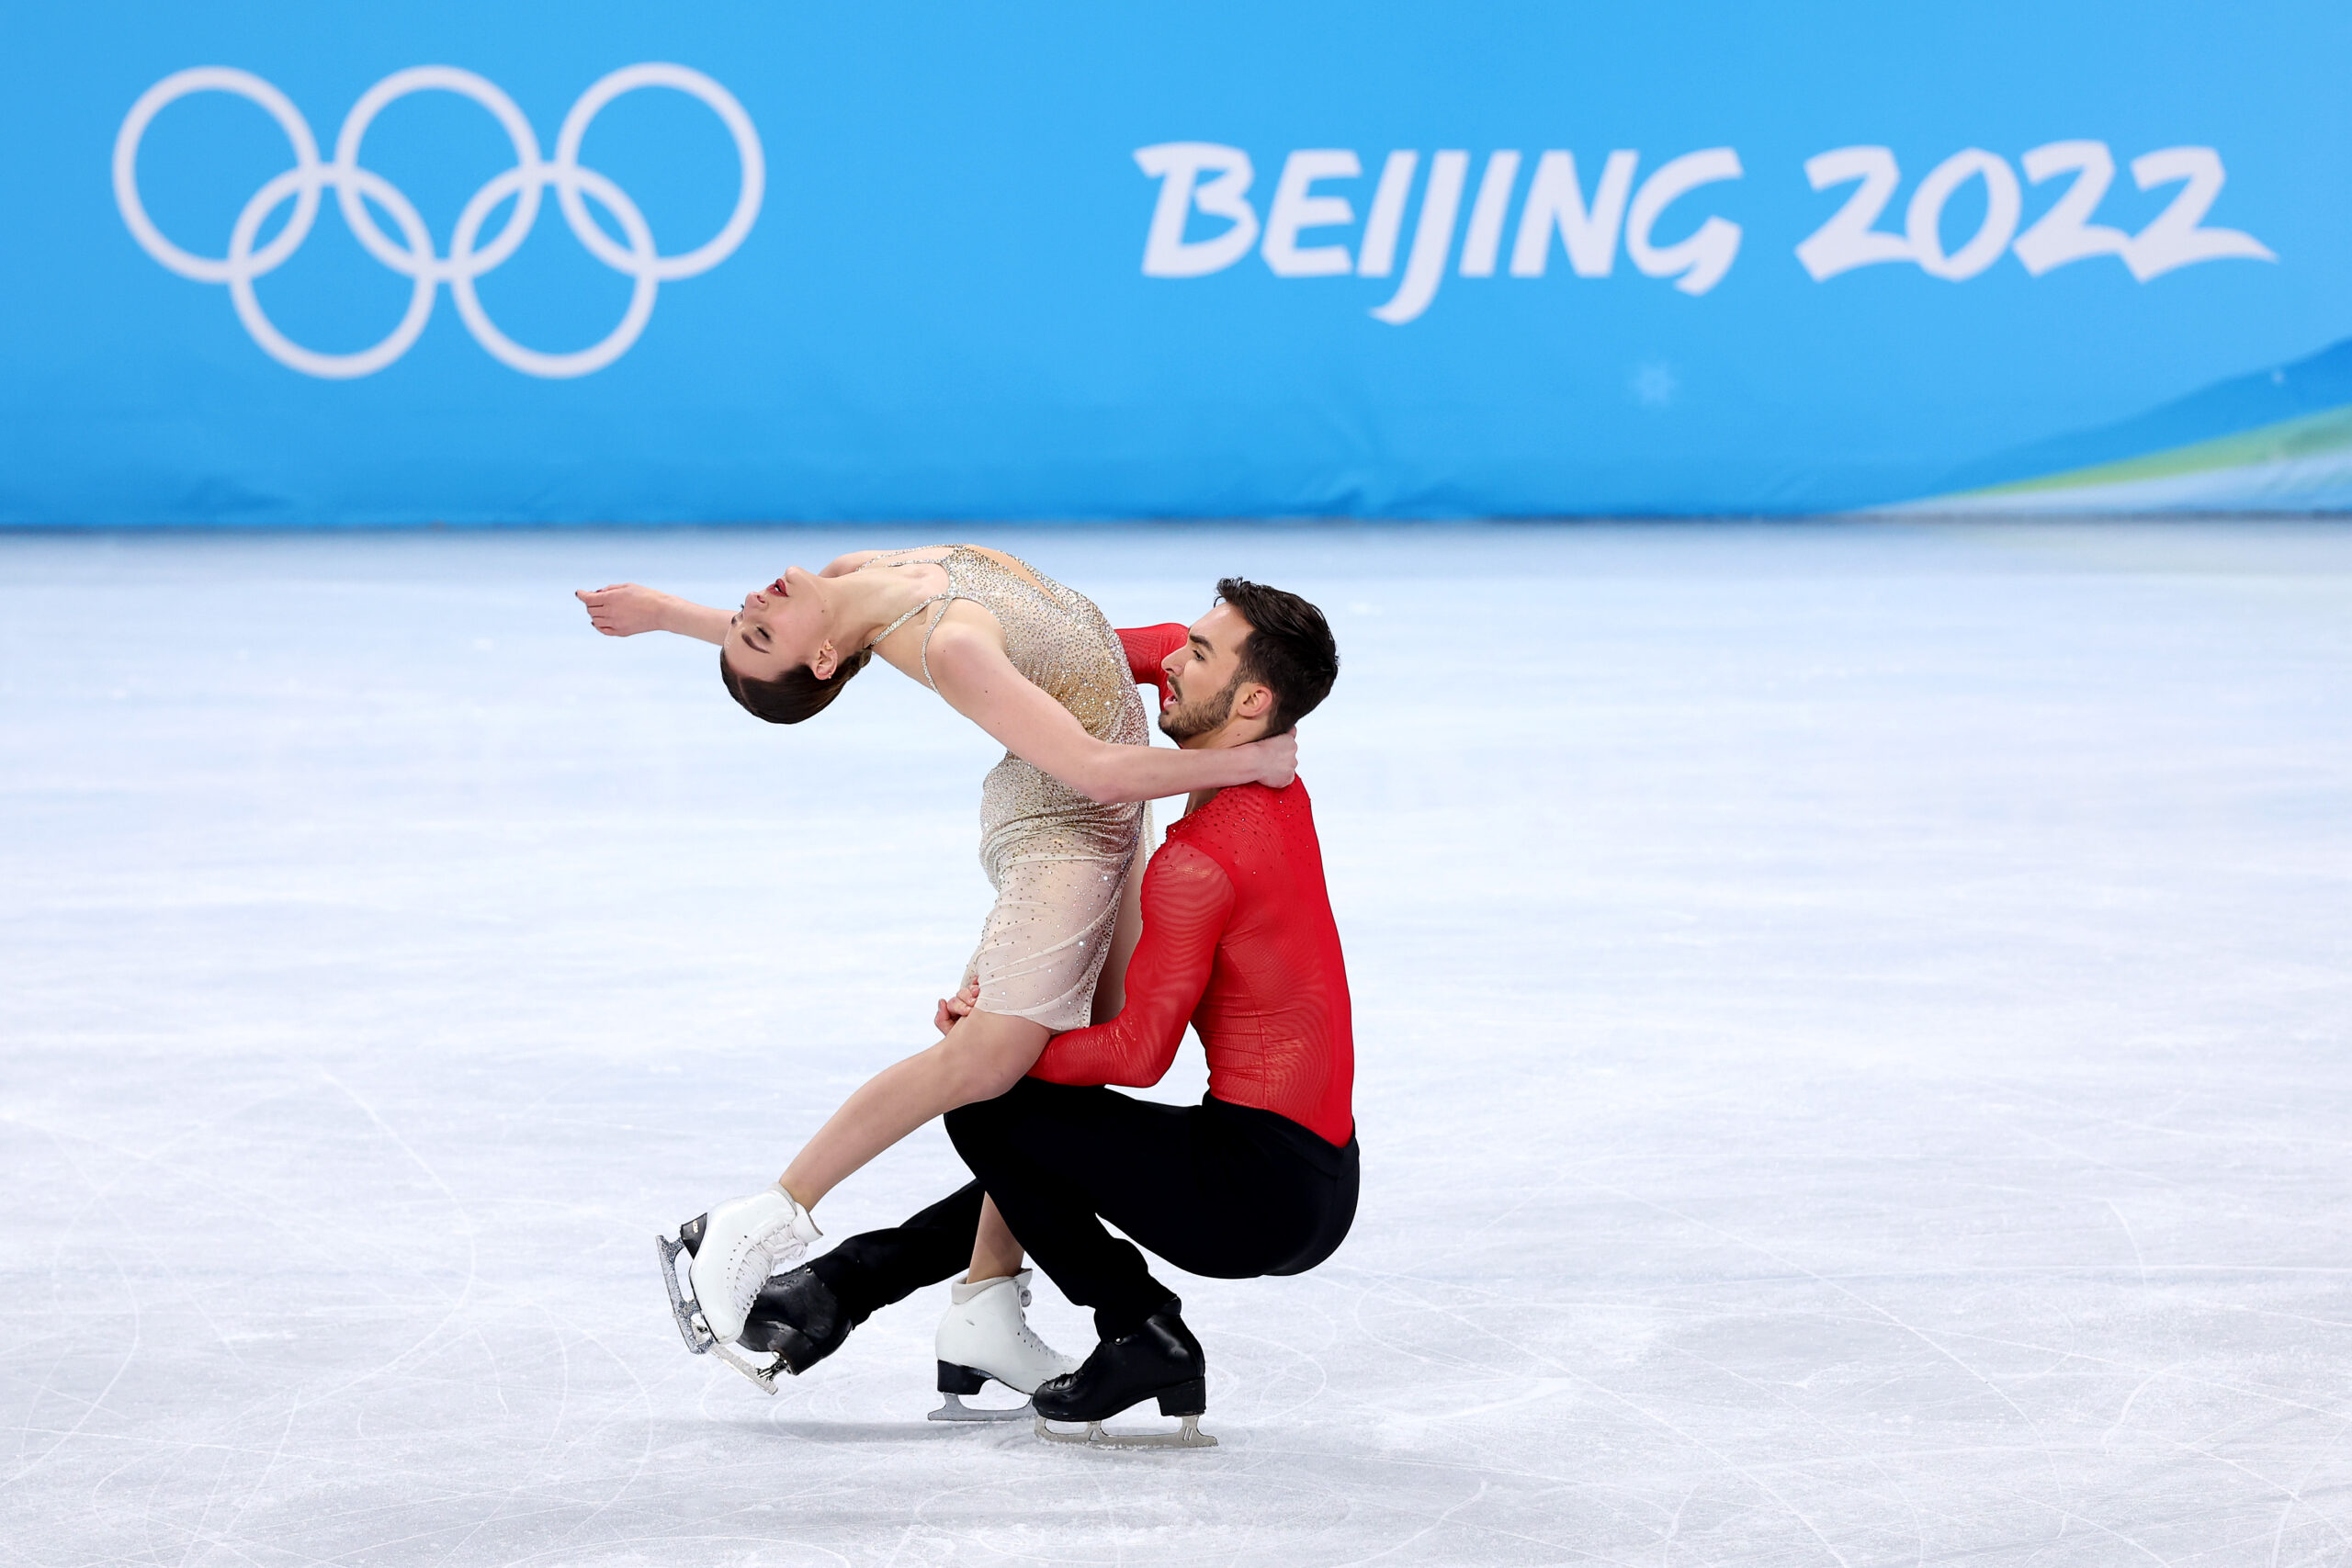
(1056, 1158)
(805, 1315)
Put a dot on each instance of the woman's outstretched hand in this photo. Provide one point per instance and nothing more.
(1277, 758)
(625, 609)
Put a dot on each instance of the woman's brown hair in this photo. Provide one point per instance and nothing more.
(794, 695)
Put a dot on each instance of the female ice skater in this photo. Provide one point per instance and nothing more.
(1036, 666)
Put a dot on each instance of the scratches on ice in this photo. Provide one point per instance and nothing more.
(1852, 1025)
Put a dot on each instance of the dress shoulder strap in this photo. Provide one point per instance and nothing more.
(955, 590)
(910, 616)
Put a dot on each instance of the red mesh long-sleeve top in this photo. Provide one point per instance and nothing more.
(1238, 941)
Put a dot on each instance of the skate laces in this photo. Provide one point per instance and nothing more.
(1028, 1336)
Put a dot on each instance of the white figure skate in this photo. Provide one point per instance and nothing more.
(732, 1250)
(985, 1335)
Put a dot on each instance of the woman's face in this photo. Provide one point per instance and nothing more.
(780, 627)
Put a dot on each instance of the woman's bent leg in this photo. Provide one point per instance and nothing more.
(982, 1056)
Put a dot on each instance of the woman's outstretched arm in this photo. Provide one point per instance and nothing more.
(979, 682)
(625, 609)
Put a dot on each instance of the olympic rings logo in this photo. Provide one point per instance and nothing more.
(413, 255)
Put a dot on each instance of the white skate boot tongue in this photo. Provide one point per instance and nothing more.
(964, 1291)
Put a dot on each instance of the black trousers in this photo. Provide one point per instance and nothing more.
(1225, 1191)
(1216, 1188)
(869, 1272)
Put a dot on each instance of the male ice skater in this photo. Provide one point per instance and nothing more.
(1259, 1179)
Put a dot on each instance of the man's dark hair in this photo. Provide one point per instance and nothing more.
(1289, 650)
(794, 695)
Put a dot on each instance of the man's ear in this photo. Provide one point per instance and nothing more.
(1253, 701)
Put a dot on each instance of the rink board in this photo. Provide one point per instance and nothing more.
(265, 261)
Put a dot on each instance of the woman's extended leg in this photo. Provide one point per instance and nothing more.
(746, 1239)
(982, 1056)
(1055, 912)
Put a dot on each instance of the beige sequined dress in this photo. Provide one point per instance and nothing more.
(1059, 861)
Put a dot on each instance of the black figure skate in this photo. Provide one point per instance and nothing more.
(798, 1320)
(1161, 1360)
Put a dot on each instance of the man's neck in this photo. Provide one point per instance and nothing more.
(1224, 735)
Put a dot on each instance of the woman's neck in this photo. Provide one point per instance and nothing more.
(865, 602)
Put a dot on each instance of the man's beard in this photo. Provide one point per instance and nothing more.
(1187, 720)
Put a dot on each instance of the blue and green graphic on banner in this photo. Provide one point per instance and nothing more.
(395, 264)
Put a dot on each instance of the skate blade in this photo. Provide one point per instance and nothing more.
(1188, 1435)
(763, 1376)
(683, 1308)
(687, 1312)
(953, 1409)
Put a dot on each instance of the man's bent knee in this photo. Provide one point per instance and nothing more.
(982, 1123)
(975, 1119)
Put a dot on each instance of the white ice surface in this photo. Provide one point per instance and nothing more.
(1853, 1026)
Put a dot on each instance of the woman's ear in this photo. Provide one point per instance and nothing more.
(828, 659)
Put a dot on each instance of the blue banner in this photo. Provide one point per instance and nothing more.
(428, 262)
